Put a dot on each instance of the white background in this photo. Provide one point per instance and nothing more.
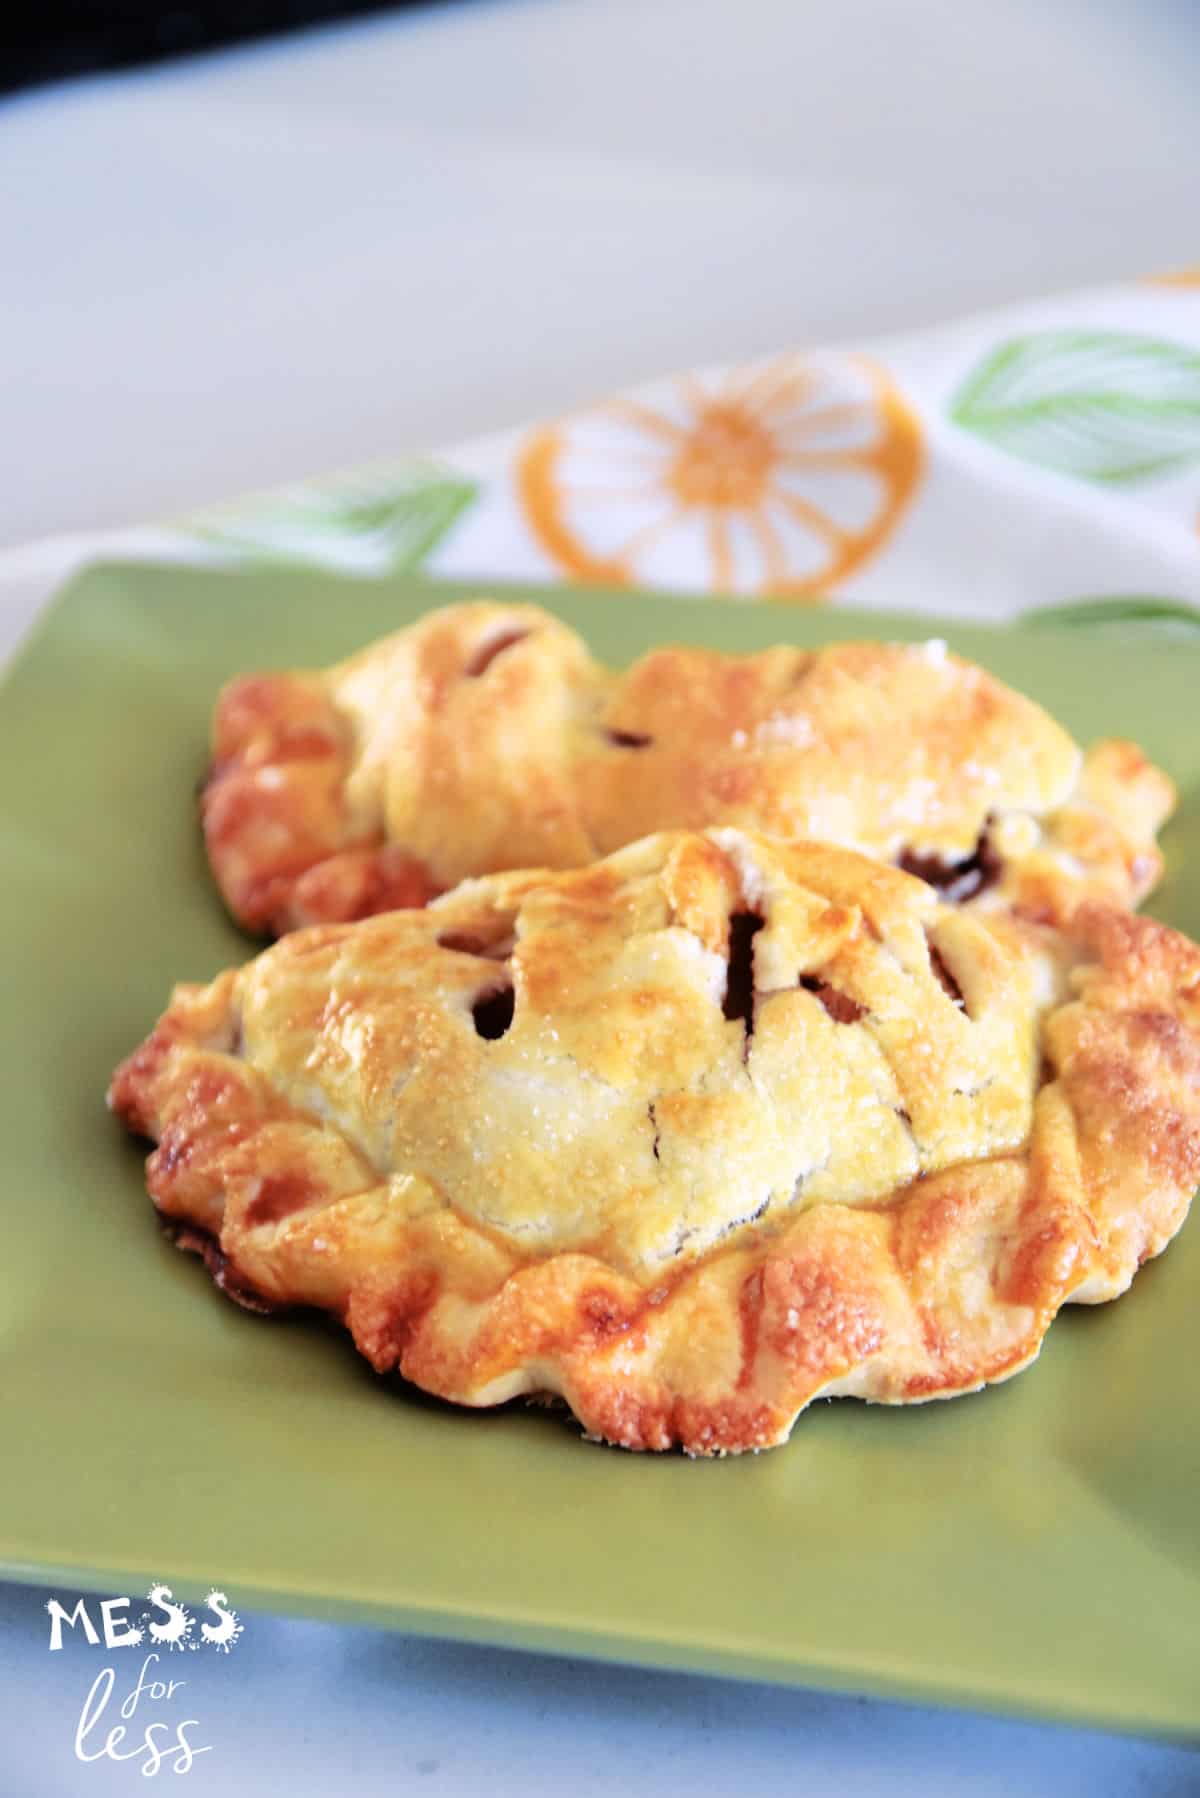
(370, 241)
(396, 236)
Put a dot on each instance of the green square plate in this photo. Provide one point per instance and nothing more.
(1033, 1548)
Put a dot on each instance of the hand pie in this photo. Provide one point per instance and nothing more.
(486, 737)
(687, 1137)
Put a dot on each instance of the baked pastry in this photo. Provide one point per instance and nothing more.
(487, 737)
(687, 1137)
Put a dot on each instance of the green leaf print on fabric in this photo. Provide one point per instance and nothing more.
(1100, 405)
(371, 523)
(1119, 608)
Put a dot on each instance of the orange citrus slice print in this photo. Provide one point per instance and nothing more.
(779, 479)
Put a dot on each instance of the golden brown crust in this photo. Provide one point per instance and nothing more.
(486, 737)
(690, 1136)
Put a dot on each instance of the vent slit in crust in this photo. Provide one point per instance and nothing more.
(493, 1013)
(946, 977)
(489, 652)
(840, 1006)
(956, 882)
(738, 1002)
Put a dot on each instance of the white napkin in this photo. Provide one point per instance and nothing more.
(1047, 455)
